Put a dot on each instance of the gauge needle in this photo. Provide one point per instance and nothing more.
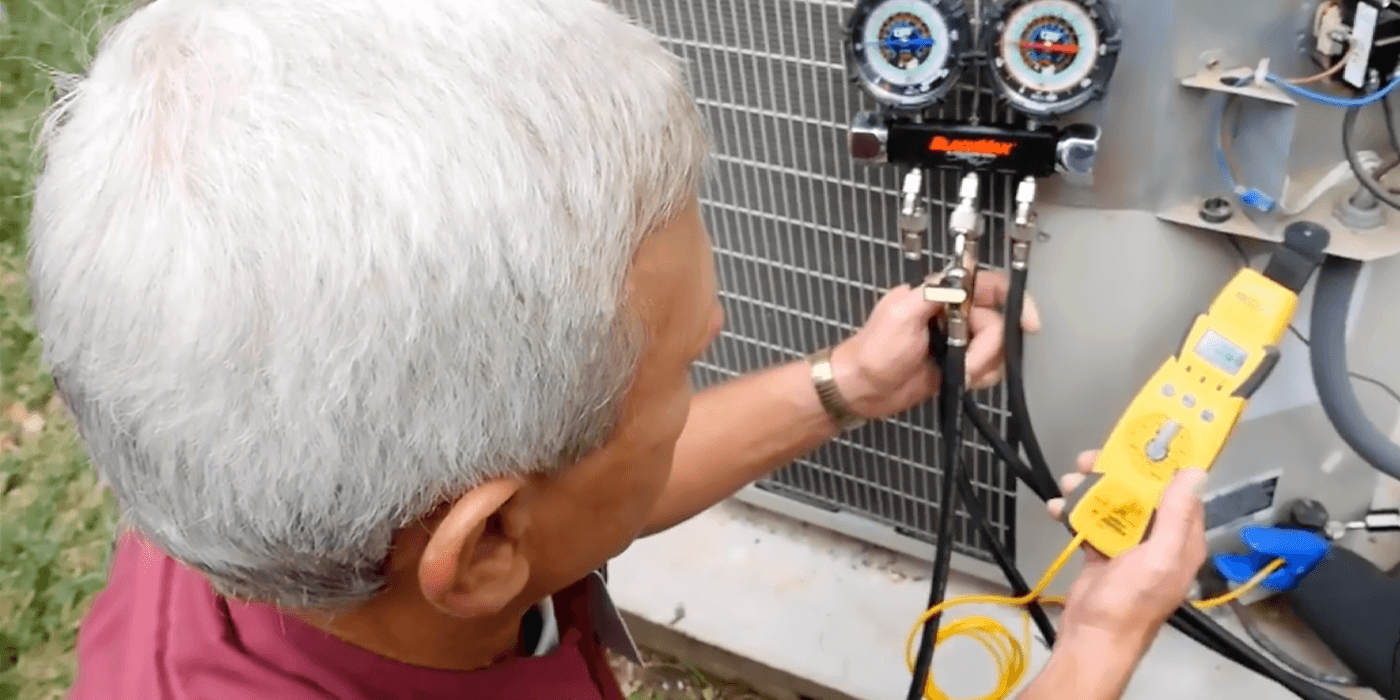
(1049, 48)
(909, 44)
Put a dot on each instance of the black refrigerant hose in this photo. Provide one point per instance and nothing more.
(1353, 606)
(1331, 302)
(1016, 386)
(1015, 302)
(952, 399)
(1003, 449)
(954, 363)
(1246, 655)
(938, 348)
(1003, 560)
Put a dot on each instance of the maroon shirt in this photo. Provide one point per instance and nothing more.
(158, 631)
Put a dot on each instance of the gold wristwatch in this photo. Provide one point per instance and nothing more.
(824, 379)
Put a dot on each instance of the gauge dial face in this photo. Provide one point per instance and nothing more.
(905, 52)
(1052, 56)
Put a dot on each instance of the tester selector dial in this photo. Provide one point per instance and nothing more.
(907, 53)
(1050, 57)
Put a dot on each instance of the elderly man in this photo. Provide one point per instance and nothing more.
(377, 317)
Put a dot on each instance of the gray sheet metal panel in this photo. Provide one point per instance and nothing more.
(1155, 148)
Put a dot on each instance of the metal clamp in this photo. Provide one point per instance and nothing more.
(1300, 551)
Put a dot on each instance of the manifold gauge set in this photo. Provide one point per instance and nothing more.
(1047, 57)
(1044, 58)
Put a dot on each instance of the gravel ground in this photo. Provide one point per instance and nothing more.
(665, 678)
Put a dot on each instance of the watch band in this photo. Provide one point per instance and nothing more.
(824, 379)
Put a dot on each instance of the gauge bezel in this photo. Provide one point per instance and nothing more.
(1040, 104)
(961, 41)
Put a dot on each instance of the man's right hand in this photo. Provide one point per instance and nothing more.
(1128, 598)
(1117, 606)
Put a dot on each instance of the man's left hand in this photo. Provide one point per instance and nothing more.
(885, 367)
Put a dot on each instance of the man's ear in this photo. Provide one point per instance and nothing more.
(473, 564)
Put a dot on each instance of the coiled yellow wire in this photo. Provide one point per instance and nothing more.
(1010, 654)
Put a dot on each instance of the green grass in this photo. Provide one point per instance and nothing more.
(56, 525)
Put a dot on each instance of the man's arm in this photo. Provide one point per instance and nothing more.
(740, 431)
(1085, 669)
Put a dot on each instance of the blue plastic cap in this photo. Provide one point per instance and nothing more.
(1300, 551)
(1257, 200)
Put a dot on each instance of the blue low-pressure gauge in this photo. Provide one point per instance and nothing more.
(907, 53)
(1050, 57)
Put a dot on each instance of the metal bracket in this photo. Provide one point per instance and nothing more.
(1202, 213)
(1238, 81)
(1372, 244)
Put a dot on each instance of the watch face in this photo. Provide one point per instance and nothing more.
(1051, 56)
(906, 53)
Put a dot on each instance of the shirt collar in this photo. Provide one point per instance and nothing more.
(607, 622)
(549, 631)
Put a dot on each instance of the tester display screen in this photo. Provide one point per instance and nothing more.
(1218, 351)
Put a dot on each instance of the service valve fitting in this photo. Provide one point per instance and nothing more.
(913, 216)
(959, 279)
(964, 221)
(1024, 228)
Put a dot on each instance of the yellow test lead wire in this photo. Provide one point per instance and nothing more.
(1243, 588)
(1011, 657)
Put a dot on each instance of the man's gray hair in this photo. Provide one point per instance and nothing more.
(306, 269)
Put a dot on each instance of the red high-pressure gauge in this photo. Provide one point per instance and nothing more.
(1050, 57)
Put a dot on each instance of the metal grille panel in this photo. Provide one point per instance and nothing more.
(805, 241)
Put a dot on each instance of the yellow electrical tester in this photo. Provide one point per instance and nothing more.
(1184, 414)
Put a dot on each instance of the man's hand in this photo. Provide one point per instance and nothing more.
(885, 367)
(1125, 601)
(1117, 606)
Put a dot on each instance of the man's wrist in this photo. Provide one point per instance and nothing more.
(850, 379)
(832, 377)
(1086, 666)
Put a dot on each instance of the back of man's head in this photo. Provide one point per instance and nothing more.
(306, 268)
